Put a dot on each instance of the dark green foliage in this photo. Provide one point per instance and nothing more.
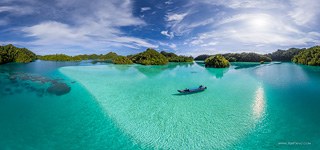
(149, 57)
(246, 57)
(240, 57)
(284, 55)
(166, 54)
(310, 56)
(217, 61)
(175, 58)
(10, 53)
(122, 60)
(88, 57)
(109, 56)
(202, 57)
(63, 57)
(57, 57)
(181, 59)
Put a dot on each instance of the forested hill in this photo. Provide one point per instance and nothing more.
(10, 53)
(310, 56)
(284, 55)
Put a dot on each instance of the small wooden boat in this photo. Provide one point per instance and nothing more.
(194, 90)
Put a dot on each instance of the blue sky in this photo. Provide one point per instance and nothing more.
(189, 27)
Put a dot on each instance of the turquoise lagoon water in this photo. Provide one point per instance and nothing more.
(247, 106)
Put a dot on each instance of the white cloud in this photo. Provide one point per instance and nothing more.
(236, 4)
(305, 12)
(169, 2)
(249, 25)
(176, 17)
(87, 36)
(99, 29)
(169, 45)
(16, 10)
(253, 31)
(175, 23)
(168, 34)
(143, 9)
(173, 46)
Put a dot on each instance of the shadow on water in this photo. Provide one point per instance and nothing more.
(184, 94)
(101, 62)
(200, 63)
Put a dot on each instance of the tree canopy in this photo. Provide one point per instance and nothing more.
(284, 55)
(310, 56)
(122, 60)
(172, 57)
(216, 61)
(246, 57)
(149, 57)
(202, 57)
(239, 57)
(56, 57)
(108, 56)
(10, 53)
(63, 57)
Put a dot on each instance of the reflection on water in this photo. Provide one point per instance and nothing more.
(259, 103)
(152, 71)
(218, 72)
(282, 75)
(244, 65)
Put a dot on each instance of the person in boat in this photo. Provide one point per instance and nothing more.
(200, 87)
(187, 90)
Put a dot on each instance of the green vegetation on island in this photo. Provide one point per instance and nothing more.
(10, 53)
(109, 56)
(57, 57)
(149, 57)
(246, 57)
(122, 60)
(284, 55)
(240, 57)
(89, 57)
(310, 56)
(63, 57)
(202, 57)
(172, 57)
(216, 61)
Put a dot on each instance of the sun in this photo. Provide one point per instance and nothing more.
(260, 22)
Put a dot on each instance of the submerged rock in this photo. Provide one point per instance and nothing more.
(59, 89)
(37, 84)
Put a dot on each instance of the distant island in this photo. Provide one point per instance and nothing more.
(148, 57)
(216, 61)
(63, 57)
(305, 56)
(309, 56)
